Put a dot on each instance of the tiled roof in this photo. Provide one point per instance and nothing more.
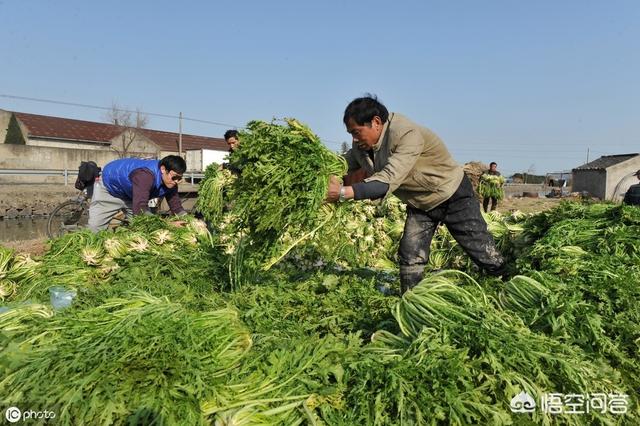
(168, 141)
(45, 126)
(606, 161)
(66, 128)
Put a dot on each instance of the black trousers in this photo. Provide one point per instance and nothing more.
(461, 214)
(485, 203)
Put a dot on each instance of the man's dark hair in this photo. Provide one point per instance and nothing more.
(492, 163)
(230, 134)
(362, 110)
(175, 163)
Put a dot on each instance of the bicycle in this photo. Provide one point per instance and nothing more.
(73, 215)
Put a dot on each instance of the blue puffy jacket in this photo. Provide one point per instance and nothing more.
(115, 177)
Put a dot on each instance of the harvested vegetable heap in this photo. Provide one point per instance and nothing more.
(285, 173)
(154, 334)
(491, 186)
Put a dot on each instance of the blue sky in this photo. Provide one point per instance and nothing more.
(531, 85)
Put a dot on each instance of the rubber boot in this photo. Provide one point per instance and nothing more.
(410, 278)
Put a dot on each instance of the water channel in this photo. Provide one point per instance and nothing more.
(23, 229)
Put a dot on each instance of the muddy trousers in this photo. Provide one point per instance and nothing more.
(485, 203)
(461, 215)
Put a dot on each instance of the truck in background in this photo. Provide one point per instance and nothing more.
(198, 159)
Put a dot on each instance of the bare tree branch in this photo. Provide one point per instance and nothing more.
(129, 127)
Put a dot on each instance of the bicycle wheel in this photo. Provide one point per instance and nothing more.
(67, 217)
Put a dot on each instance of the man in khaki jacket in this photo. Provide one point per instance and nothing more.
(412, 162)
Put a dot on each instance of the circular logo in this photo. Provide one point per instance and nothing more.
(13, 414)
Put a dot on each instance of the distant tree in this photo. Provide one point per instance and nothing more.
(14, 133)
(129, 126)
(527, 178)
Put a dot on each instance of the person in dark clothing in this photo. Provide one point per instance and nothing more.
(129, 183)
(231, 138)
(493, 170)
(412, 162)
(632, 196)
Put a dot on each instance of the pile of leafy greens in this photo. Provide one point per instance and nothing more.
(158, 332)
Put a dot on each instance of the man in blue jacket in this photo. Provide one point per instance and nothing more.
(129, 183)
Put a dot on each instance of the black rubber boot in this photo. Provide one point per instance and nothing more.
(409, 280)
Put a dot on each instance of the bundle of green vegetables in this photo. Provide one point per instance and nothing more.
(135, 359)
(14, 268)
(212, 191)
(461, 359)
(491, 186)
(584, 266)
(360, 234)
(284, 179)
(149, 254)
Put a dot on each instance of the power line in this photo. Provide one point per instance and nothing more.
(514, 150)
(152, 114)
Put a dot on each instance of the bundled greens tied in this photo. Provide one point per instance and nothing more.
(212, 191)
(137, 359)
(282, 186)
(491, 186)
(14, 268)
(500, 355)
(150, 250)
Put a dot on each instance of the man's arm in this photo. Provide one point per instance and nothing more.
(142, 182)
(175, 204)
(372, 190)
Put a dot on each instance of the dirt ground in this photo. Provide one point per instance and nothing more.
(527, 205)
(35, 247)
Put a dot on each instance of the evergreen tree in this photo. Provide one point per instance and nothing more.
(14, 134)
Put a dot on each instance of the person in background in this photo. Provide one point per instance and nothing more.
(231, 138)
(129, 183)
(412, 162)
(493, 170)
(632, 196)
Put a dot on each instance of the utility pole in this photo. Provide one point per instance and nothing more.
(180, 134)
(587, 155)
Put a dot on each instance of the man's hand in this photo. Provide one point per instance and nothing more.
(333, 192)
(178, 223)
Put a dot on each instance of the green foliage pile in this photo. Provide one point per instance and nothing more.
(284, 179)
(211, 192)
(132, 359)
(491, 186)
(158, 333)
